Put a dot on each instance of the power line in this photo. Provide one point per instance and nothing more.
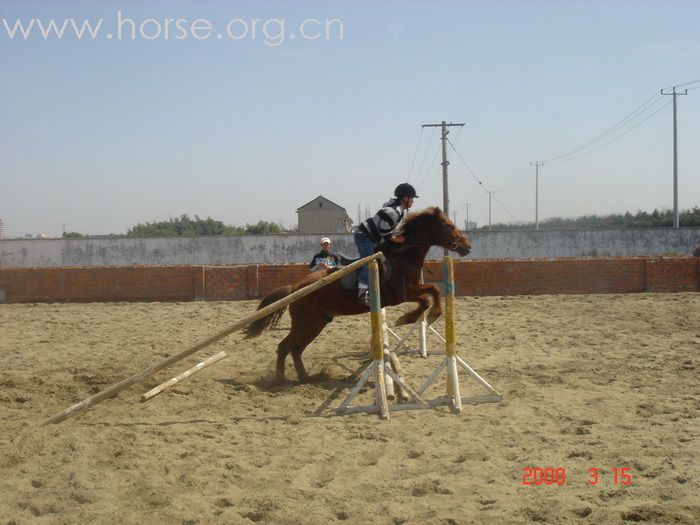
(614, 139)
(634, 114)
(467, 165)
(487, 192)
(681, 85)
(415, 154)
(504, 207)
(518, 182)
(427, 149)
(429, 178)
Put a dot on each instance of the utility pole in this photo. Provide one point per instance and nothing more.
(675, 156)
(445, 193)
(537, 165)
(466, 223)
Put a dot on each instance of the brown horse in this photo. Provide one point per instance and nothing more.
(400, 282)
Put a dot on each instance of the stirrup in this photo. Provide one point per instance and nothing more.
(363, 297)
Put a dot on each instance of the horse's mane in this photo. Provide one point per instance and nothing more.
(412, 223)
(416, 219)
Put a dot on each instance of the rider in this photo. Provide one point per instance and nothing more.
(383, 226)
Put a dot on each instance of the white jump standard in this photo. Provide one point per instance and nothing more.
(378, 366)
(451, 362)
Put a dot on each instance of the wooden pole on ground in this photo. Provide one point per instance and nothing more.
(259, 314)
(184, 375)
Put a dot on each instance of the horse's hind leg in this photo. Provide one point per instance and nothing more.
(282, 351)
(312, 332)
(302, 334)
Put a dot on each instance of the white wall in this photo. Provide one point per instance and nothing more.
(277, 249)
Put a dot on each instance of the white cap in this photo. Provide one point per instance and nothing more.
(325, 239)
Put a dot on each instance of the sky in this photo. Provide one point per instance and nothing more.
(100, 134)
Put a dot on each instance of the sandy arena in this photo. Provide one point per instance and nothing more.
(590, 381)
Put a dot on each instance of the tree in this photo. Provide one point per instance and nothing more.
(262, 227)
(187, 227)
(180, 226)
(641, 219)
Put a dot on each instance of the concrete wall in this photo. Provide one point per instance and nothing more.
(283, 249)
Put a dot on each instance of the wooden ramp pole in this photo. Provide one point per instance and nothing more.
(259, 314)
(184, 375)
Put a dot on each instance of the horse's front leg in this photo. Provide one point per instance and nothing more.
(421, 294)
(436, 308)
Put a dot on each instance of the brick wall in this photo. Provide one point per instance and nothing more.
(472, 277)
(109, 284)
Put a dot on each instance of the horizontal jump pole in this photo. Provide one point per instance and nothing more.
(259, 314)
(184, 375)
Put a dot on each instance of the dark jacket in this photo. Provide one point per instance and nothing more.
(330, 259)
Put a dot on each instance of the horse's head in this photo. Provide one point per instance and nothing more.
(432, 227)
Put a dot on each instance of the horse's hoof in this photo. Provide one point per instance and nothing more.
(404, 320)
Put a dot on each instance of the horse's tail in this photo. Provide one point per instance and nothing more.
(255, 328)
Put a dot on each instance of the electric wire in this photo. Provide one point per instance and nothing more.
(427, 150)
(617, 137)
(467, 165)
(428, 177)
(505, 208)
(518, 182)
(432, 163)
(486, 192)
(415, 154)
(638, 111)
(681, 85)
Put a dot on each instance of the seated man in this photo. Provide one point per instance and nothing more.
(324, 259)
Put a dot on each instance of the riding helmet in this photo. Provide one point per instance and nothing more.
(405, 190)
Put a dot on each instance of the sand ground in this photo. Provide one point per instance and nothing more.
(604, 381)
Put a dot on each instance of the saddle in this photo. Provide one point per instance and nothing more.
(349, 281)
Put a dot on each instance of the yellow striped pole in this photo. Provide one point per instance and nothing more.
(450, 329)
(450, 335)
(422, 339)
(377, 345)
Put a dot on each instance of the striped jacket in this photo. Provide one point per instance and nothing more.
(385, 222)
